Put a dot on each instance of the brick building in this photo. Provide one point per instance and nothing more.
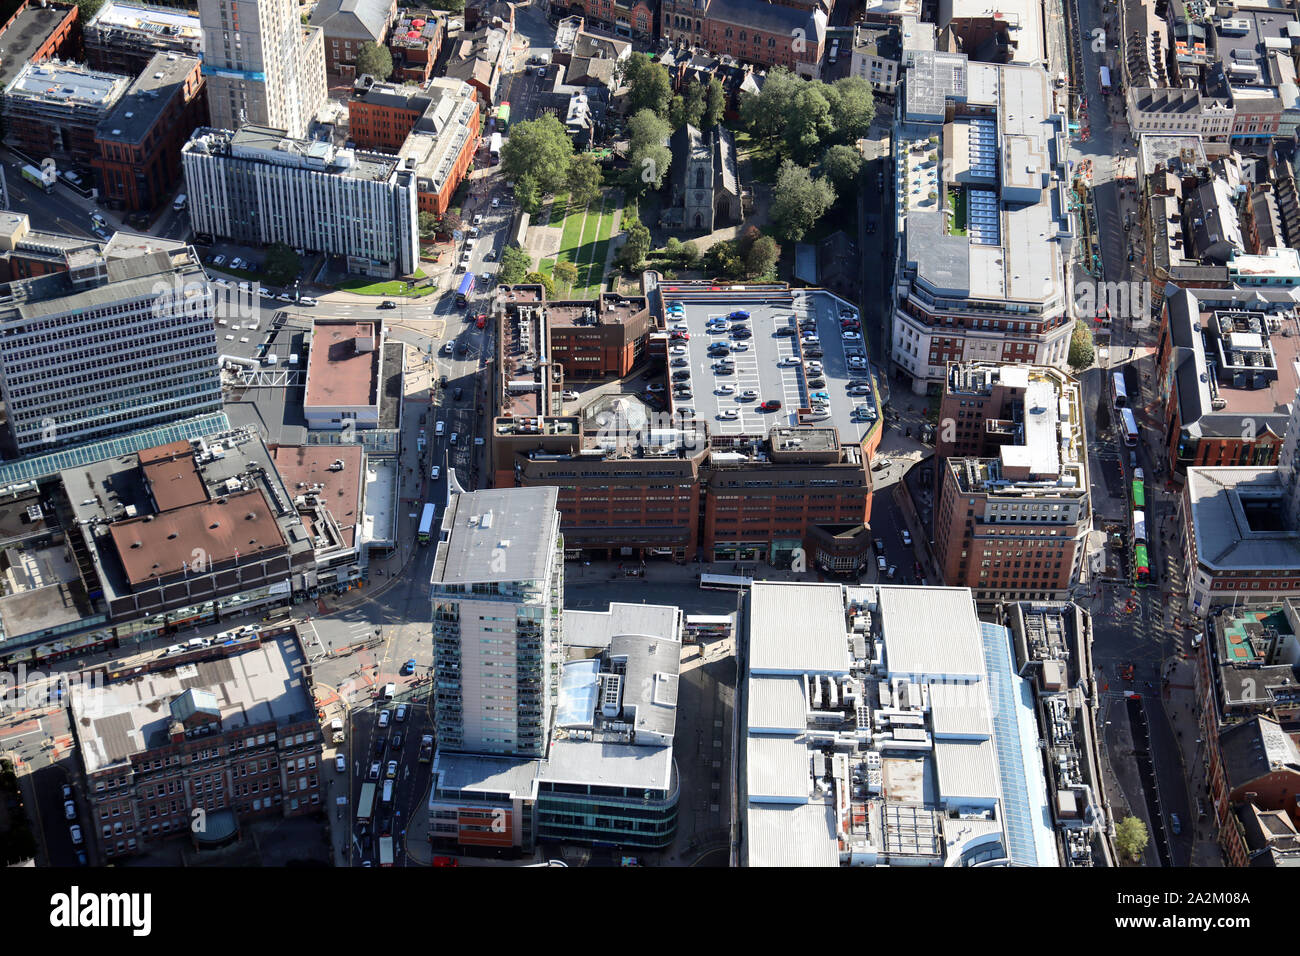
(36, 32)
(600, 339)
(138, 145)
(347, 24)
(1228, 377)
(791, 34)
(53, 110)
(1012, 485)
(626, 18)
(223, 727)
(415, 42)
(123, 36)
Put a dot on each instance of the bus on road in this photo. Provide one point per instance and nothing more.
(1130, 427)
(724, 582)
(366, 805)
(465, 290)
(708, 627)
(385, 851)
(426, 523)
(1105, 80)
(1121, 392)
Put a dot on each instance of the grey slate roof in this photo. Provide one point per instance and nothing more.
(358, 19)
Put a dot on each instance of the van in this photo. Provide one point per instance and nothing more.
(388, 791)
(1132, 460)
(881, 563)
(438, 428)
(179, 204)
(390, 691)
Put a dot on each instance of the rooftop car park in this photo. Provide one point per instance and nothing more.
(767, 364)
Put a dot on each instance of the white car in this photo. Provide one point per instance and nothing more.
(341, 763)
(725, 389)
(435, 472)
(851, 337)
(789, 361)
(496, 203)
(656, 387)
(236, 263)
(391, 771)
(814, 368)
(570, 396)
(69, 809)
(748, 395)
(478, 221)
(730, 415)
(218, 260)
(464, 258)
(740, 346)
(384, 717)
(686, 411)
(401, 713)
(678, 350)
(76, 834)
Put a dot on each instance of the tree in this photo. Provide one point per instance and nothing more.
(724, 260)
(715, 103)
(690, 253)
(765, 114)
(565, 272)
(282, 263)
(689, 108)
(1081, 350)
(528, 194)
(515, 264)
(800, 201)
(428, 223)
(648, 84)
(637, 245)
(1131, 838)
(86, 9)
(853, 108)
(808, 121)
(541, 149)
(584, 179)
(648, 155)
(542, 279)
(673, 248)
(451, 6)
(448, 223)
(375, 60)
(761, 257)
(842, 165)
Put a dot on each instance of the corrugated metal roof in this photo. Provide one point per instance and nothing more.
(797, 629)
(777, 704)
(968, 770)
(930, 632)
(791, 836)
(779, 769)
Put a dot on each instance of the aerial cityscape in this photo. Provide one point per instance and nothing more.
(649, 433)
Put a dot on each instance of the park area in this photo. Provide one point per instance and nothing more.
(587, 231)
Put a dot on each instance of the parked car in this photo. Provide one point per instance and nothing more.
(496, 203)
(218, 260)
(771, 405)
(729, 415)
(785, 330)
(391, 770)
(69, 809)
(75, 832)
(341, 763)
(570, 395)
(907, 537)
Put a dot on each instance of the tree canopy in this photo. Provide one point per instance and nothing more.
(801, 118)
(649, 85)
(1081, 349)
(515, 264)
(648, 157)
(282, 263)
(1131, 838)
(539, 149)
(634, 250)
(800, 201)
(842, 165)
(374, 59)
(585, 178)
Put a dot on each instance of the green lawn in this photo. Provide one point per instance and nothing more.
(957, 203)
(586, 234)
(394, 287)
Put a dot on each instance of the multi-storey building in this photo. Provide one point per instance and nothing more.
(1228, 376)
(344, 372)
(347, 24)
(263, 67)
(138, 145)
(498, 596)
(888, 726)
(552, 725)
(433, 129)
(106, 347)
(123, 36)
(790, 34)
(626, 18)
(983, 218)
(1012, 485)
(415, 42)
(53, 109)
(1247, 686)
(36, 32)
(259, 185)
(221, 728)
(27, 252)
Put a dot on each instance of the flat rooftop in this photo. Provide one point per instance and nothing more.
(264, 144)
(147, 98)
(174, 24)
(497, 535)
(776, 367)
(343, 367)
(29, 30)
(307, 467)
(69, 84)
(117, 721)
(797, 629)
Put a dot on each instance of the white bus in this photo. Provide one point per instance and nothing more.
(1139, 527)
(426, 521)
(1121, 390)
(1130, 427)
(725, 582)
(708, 627)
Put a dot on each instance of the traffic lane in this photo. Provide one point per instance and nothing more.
(56, 834)
(60, 211)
